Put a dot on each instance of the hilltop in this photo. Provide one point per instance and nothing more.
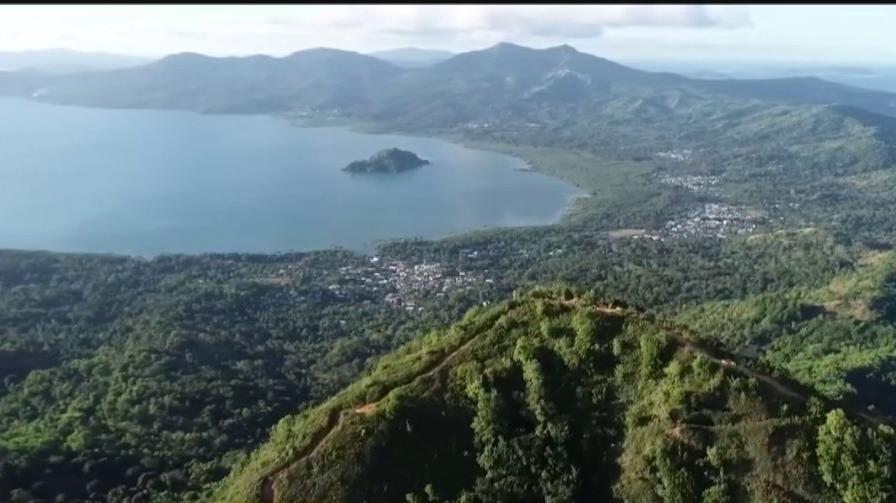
(557, 397)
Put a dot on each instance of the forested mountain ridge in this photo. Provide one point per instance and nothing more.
(329, 80)
(557, 397)
(260, 84)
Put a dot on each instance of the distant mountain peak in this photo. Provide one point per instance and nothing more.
(321, 50)
(184, 60)
(182, 56)
(186, 54)
(510, 46)
(565, 48)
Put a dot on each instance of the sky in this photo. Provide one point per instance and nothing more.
(798, 33)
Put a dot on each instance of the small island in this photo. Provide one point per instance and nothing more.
(390, 160)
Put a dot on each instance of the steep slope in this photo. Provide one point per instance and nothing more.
(526, 66)
(554, 397)
(508, 78)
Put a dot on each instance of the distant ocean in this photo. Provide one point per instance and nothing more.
(880, 77)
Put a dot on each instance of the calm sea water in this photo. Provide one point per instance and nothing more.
(145, 182)
(870, 76)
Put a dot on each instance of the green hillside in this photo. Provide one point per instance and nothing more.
(557, 397)
(839, 338)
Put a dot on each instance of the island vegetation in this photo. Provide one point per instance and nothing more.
(391, 160)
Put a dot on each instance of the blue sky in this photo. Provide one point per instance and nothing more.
(801, 33)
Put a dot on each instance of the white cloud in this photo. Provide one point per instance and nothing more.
(546, 21)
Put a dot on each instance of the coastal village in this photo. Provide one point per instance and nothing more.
(711, 219)
(696, 183)
(396, 283)
(403, 285)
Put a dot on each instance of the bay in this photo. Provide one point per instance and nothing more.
(146, 182)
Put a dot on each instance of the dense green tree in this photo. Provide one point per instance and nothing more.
(857, 464)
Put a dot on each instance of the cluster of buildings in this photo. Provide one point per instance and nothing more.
(696, 183)
(710, 220)
(496, 124)
(676, 155)
(476, 125)
(403, 285)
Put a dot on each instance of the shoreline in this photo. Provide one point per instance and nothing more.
(574, 203)
(530, 166)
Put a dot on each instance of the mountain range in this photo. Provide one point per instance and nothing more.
(476, 84)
